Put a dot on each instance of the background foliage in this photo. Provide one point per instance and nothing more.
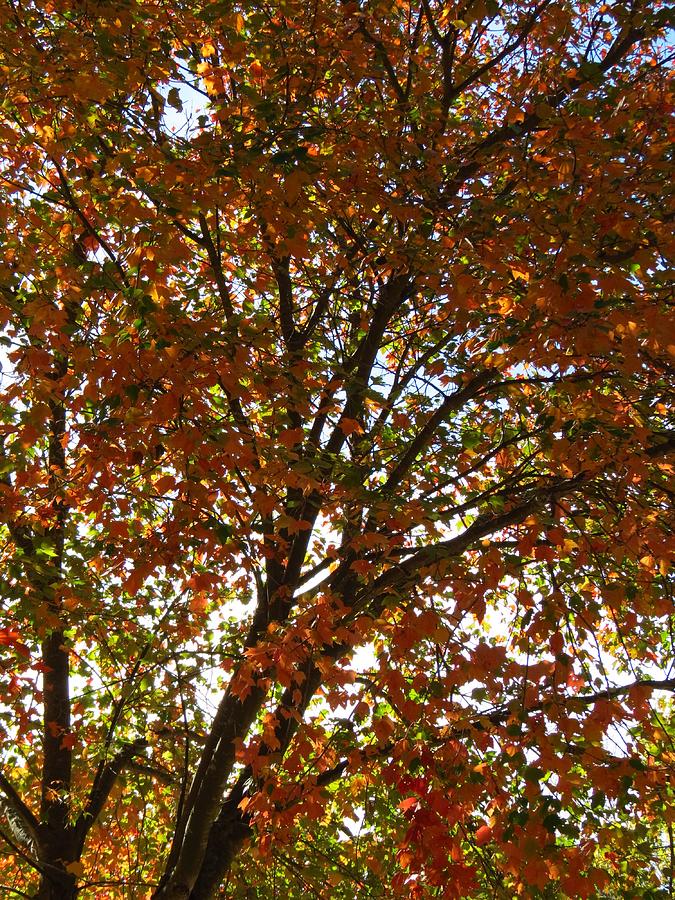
(337, 440)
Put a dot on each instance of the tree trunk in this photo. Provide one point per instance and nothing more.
(226, 838)
(57, 885)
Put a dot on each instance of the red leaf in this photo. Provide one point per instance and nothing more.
(68, 741)
(483, 835)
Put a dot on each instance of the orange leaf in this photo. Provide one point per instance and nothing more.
(291, 437)
(350, 426)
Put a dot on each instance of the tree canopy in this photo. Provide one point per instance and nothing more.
(336, 449)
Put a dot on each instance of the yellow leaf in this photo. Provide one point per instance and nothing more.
(525, 276)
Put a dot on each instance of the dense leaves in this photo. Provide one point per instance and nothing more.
(337, 435)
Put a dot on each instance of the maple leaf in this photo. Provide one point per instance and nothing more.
(483, 835)
(350, 426)
(68, 741)
(290, 437)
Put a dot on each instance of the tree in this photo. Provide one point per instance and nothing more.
(336, 443)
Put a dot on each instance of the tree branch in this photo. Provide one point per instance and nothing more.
(451, 404)
(216, 267)
(506, 133)
(104, 784)
(20, 816)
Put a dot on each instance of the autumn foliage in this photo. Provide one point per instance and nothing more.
(337, 447)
